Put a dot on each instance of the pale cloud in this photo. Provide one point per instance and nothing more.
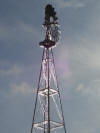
(72, 3)
(62, 62)
(93, 88)
(14, 70)
(75, 58)
(28, 28)
(80, 87)
(22, 88)
(84, 128)
(91, 57)
(94, 59)
(85, 54)
(20, 29)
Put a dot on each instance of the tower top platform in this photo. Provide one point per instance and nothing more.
(47, 44)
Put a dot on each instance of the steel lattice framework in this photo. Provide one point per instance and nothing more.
(48, 113)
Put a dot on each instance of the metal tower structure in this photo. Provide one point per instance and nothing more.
(48, 114)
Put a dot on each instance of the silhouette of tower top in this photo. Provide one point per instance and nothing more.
(48, 113)
(50, 12)
(51, 26)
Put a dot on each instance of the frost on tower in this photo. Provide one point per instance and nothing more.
(48, 114)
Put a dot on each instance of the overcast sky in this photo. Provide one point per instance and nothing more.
(77, 58)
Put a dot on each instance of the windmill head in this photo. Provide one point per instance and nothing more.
(51, 26)
(50, 13)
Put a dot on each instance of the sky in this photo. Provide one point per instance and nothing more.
(77, 59)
